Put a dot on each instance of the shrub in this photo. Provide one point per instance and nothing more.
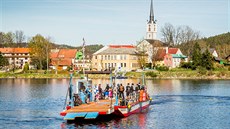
(210, 73)
(201, 70)
(187, 65)
(218, 66)
(26, 68)
(151, 74)
(162, 68)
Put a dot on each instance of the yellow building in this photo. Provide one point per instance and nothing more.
(115, 57)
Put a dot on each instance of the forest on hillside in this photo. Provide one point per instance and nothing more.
(221, 43)
(184, 37)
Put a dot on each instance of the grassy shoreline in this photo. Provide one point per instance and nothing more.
(188, 74)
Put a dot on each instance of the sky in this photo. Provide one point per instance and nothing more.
(110, 21)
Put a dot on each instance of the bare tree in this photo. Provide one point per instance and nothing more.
(156, 46)
(168, 32)
(142, 53)
(178, 35)
(19, 36)
(8, 38)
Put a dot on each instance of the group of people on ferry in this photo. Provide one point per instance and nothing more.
(125, 93)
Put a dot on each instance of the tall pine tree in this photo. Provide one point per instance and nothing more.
(207, 60)
(196, 55)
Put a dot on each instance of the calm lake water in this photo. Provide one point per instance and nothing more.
(177, 104)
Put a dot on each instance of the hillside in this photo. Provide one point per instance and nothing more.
(220, 42)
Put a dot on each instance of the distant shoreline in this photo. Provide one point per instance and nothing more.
(214, 75)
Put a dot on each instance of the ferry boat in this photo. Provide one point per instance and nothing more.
(79, 105)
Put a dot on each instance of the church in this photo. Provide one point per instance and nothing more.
(157, 52)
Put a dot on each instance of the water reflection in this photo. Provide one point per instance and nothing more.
(36, 103)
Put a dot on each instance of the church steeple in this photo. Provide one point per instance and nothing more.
(151, 29)
(151, 16)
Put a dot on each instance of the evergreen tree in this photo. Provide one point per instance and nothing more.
(196, 55)
(207, 60)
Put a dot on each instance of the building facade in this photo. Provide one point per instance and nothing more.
(17, 57)
(174, 60)
(61, 59)
(115, 57)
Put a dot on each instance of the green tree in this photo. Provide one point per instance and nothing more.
(26, 68)
(207, 60)
(3, 61)
(8, 39)
(40, 48)
(196, 55)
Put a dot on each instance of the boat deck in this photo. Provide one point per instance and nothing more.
(102, 107)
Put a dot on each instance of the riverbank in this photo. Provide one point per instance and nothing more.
(176, 74)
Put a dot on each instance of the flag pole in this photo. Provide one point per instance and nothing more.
(83, 52)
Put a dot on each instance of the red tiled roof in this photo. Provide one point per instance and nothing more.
(6, 50)
(67, 53)
(121, 46)
(63, 57)
(14, 50)
(172, 50)
(53, 55)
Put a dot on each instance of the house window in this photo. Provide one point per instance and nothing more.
(108, 57)
(95, 57)
(102, 57)
(124, 64)
(124, 57)
(115, 57)
(111, 57)
(121, 64)
(105, 57)
(105, 65)
(149, 28)
(115, 64)
(121, 57)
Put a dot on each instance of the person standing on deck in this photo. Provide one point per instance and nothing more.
(127, 89)
(131, 90)
(95, 91)
(137, 91)
(100, 91)
(121, 91)
(106, 91)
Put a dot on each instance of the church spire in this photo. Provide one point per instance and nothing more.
(151, 31)
(151, 16)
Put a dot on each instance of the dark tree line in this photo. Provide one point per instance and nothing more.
(199, 59)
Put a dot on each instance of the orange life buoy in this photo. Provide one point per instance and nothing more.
(144, 96)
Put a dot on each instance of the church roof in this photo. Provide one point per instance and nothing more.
(152, 41)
